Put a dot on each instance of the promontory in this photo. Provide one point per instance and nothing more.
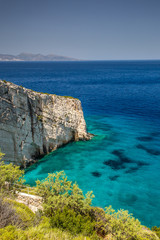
(33, 124)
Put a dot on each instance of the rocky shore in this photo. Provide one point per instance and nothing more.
(33, 124)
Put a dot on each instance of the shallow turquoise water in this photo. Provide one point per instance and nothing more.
(125, 178)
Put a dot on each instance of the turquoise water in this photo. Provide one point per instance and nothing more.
(121, 103)
(119, 173)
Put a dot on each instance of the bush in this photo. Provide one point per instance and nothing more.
(122, 225)
(59, 193)
(8, 215)
(10, 175)
(69, 209)
(74, 222)
(41, 232)
(65, 203)
(99, 217)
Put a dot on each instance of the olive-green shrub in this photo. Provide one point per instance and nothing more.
(74, 222)
(41, 232)
(10, 175)
(123, 226)
(58, 193)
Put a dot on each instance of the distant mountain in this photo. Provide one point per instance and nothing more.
(34, 57)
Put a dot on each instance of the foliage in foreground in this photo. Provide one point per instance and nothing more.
(66, 205)
(26, 216)
(123, 225)
(41, 232)
(70, 210)
(58, 193)
(8, 215)
(9, 175)
(74, 222)
(67, 213)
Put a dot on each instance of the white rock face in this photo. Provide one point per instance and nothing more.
(33, 124)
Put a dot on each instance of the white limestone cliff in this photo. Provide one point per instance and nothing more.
(33, 124)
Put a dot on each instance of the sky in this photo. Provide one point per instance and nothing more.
(83, 29)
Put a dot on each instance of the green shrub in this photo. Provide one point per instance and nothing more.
(58, 193)
(74, 222)
(10, 174)
(99, 217)
(65, 203)
(123, 225)
(41, 232)
(4, 81)
(70, 97)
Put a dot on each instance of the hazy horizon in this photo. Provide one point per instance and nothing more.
(76, 59)
(85, 30)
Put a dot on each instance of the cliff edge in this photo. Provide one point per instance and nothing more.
(33, 124)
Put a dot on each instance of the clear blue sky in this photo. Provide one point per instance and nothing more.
(84, 29)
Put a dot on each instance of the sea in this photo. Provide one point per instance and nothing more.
(121, 104)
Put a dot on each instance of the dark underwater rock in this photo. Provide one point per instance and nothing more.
(155, 134)
(127, 198)
(113, 178)
(141, 164)
(148, 150)
(96, 174)
(120, 154)
(132, 170)
(145, 138)
(115, 165)
(122, 161)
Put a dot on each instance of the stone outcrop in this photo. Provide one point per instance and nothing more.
(33, 124)
(32, 201)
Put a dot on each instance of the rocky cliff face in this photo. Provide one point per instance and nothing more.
(33, 124)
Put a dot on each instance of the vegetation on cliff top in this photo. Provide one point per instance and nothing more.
(67, 213)
(69, 97)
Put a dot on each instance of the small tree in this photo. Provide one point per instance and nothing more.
(65, 203)
(58, 193)
(10, 175)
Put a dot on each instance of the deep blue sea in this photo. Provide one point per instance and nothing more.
(121, 103)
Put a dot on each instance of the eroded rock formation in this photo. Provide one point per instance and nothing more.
(33, 124)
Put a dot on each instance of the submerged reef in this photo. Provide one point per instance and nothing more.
(123, 162)
(149, 150)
